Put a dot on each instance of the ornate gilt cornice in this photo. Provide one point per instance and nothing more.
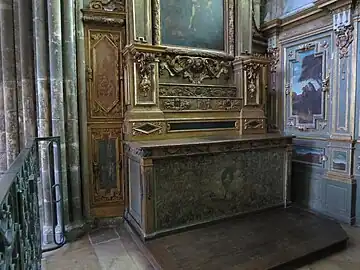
(145, 48)
(199, 53)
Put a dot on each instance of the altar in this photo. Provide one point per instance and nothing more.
(181, 183)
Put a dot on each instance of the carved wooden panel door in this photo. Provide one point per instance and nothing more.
(105, 119)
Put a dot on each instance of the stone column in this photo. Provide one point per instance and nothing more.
(9, 80)
(57, 94)
(43, 112)
(71, 97)
(16, 15)
(81, 73)
(27, 70)
(3, 163)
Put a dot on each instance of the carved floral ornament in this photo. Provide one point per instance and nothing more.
(344, 38)
(252, 71)
(274, 55)
(145, 62)
(108, 5)
(195, 69)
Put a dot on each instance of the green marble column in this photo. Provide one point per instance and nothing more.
(26, 64)
(9, 80)
(42, 83)
(72, 120)
(58, 102)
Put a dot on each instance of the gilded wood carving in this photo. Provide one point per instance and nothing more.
(252, 72)
(106, 163)
(108, 5)
(200, 104)
(103, 74)
(195, 69)
(147, 128)
(145, 63)
(166, 90)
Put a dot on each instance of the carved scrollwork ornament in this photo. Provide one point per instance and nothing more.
(252, 71)
(274, 55)
(195, 69)
(108, 5)
(145, 63)
(344, 38)
(326, 84)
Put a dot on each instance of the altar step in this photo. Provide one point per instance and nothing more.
(275, 239)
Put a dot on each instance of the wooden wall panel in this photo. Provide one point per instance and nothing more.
(105, 112)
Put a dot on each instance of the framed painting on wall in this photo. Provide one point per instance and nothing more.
(307, 86)
(194, 23)
(306, 81)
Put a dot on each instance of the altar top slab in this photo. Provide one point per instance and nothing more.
(206, 140)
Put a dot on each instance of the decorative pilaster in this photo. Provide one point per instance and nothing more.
(274, 114)
(142, 78)
(9, 80)
(254, 91)
(344, 62)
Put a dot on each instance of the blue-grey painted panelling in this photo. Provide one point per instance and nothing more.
(338, 200)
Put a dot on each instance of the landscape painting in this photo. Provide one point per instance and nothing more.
(309, 155)
(193, 23)
(339, 160)
(306, 91)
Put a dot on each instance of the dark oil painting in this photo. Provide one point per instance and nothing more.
(309, 155)
(193, 23)
(307, 87)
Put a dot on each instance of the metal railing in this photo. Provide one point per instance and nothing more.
(20, 225)
(20, 233)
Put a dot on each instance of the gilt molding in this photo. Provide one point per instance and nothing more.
(195, 69)
(156, 21)
(166, 90)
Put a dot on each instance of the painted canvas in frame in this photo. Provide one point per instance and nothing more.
(306, 82)
(193, 23)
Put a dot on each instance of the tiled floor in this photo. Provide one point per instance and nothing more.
(113, 249)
